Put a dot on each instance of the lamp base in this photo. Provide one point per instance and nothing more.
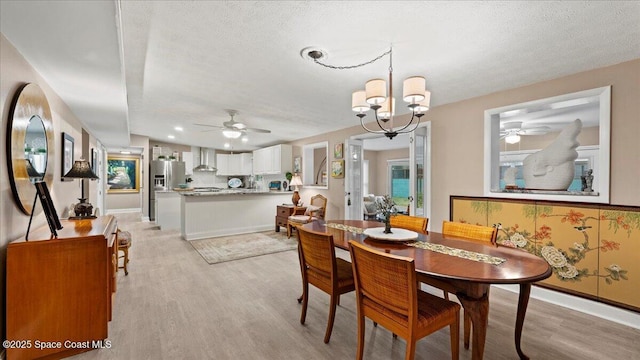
(83, 210)
(295, 198)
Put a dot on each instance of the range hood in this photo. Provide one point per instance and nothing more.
(206, 160)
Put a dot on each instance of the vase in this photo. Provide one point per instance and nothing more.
(387, 224)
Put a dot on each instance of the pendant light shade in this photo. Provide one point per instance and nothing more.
(425, 103)
(413, 89)
(384, 111)
(376, 90)
(359, 101)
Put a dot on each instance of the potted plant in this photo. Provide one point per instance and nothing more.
(289, 176)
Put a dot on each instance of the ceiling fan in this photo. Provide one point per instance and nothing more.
(511, 131)
(234, 129)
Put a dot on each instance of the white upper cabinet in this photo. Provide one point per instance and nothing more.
(234, 164)
(273, 160)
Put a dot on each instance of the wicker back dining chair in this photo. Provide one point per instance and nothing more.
(473, 232)
(316, 210)
(387, 293)
(470, 231)
(320, 268)
(414, 223)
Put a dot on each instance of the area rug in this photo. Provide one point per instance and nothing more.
(228, 248)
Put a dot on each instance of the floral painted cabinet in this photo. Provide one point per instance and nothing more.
(594, 250)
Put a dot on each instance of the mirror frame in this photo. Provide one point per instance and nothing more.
(308, 165)
(492, 150)
(28, 102)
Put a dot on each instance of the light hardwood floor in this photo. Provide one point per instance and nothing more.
(173, 305)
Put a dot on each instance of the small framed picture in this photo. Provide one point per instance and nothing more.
(337, 169)
(94, 161)
(337, 151)
(67, 154)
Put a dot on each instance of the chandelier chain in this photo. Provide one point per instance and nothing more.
(388, 52)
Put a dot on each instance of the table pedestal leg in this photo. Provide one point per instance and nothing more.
(523, 301)
(478, 310)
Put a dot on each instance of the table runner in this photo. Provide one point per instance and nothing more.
(442, 249)
(465, 254)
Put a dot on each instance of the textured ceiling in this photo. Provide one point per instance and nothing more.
(186, 62)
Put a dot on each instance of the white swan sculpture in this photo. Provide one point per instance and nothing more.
(552, 168)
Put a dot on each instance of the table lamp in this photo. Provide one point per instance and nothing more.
(81, 169)
(295, 181)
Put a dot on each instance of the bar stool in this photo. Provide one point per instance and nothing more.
(124, 243)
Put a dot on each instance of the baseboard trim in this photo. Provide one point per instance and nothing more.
(598, 309)
(118, 211)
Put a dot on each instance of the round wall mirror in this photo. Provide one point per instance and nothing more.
(31, 150)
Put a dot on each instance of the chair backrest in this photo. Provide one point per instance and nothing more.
(387, 280)
(414, 223)
(320, 202)
(317, 252)
(470, 231)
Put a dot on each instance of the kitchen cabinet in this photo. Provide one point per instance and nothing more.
(273, 160)
(234, 164)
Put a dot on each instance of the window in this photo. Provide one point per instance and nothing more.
(365, 177)
(399, 182)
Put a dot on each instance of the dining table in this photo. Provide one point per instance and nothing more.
(464, 267)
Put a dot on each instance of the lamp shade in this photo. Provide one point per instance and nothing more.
(413, 89)
(231, 134)
(81, 169)
(359, 101)
(296, 181)
(376, 91)
(425, 103)
(384, 112)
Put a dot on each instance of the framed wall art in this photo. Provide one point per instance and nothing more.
(337, 169)
(297, 165)
(67, 155)
(94, 161)
(123, 174)
(337, 151)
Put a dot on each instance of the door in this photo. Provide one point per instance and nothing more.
(353, 200)
(419, 186)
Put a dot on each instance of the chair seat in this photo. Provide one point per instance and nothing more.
(124, 239)
(345, 275)
(301, 219)
(430, 309)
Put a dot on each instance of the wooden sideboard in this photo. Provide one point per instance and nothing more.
(60, 291)
(592, 248)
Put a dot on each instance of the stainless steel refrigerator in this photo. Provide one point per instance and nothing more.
(163, 175)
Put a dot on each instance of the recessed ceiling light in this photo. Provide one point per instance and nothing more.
(171, 137)
(245, 138)
(178, 128)
(227, 145)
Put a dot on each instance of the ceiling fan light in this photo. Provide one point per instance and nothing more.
(413, 89)
(512, 139)
(376, 91)
(359, 101)
(425, 103)
(245, 138)
(231, 134)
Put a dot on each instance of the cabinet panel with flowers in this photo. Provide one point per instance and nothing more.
(469, 211)
(594, 250)
(619, 279)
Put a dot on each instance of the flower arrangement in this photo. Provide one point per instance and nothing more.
(386, 207)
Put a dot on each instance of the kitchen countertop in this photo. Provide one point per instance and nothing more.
(233, 192)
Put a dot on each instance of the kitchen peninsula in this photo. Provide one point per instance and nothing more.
(228, 212)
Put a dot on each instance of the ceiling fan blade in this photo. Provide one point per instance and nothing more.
(213, 126)
(264, 131)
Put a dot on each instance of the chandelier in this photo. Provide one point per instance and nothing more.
(378, 96)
